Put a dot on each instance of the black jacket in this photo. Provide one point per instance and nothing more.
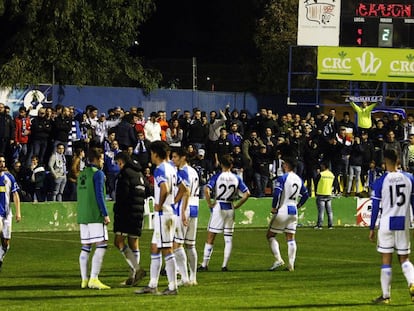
(129, 200)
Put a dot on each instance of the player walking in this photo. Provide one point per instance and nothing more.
(288, 192)
(393, 194)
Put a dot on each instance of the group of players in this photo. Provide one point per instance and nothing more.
(176, 193)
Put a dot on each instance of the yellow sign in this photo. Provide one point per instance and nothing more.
(365, 64)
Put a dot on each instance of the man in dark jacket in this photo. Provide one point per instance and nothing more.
(41, 131)
(129, 214)
(7, 130)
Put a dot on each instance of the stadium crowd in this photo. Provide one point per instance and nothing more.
(46, 152)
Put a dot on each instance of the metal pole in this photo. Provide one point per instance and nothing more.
(194, 73)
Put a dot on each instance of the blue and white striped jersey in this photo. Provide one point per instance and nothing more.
(166, 173)
(8, 185)
(393, 194)
(225, 186)
(289, 190)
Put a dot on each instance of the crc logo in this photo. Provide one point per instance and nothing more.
(340, 62)
(369, 63)
(403, 66)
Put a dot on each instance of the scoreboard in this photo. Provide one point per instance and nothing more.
(377, 23)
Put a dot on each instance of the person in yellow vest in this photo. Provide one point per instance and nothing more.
(364, 115)
(324, 184)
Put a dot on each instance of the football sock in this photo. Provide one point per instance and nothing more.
(192, 262)
(171, 269)
(181, 259)
(97, 260)
(208, 250)
(408, 270)
(155, 269)
(137, 255)
(83, 261)
(130, 257)
(274, 247)
(386, 277)
(3, 251)
(292, 252)
(228, 245)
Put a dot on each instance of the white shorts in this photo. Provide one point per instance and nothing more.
(394, 240)
(93, 233)
(7, 226)
(186, 234)
(283, 222)
(164, 229)
(221, 220)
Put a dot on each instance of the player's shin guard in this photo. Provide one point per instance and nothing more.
(408, 270)
(83, 261)
(130, 257)
(292, 252)
(97, 260)
(181, 259)
(386, 278)
(171, 269)
(228, 246)
(155, 269)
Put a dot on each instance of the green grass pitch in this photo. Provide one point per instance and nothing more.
(335, 270)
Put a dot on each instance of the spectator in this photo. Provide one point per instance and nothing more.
(397, 127)
(378, 135)
(407, 159)
(152, 128)
(174, 134)
(102, 128)
(22, 134)
(250, 147)
(125, 133)
(21, 175)
(351, 129)
(367, 150)
(150, 181)
(234, 135)
(141, 151)
(223, 147)
(197, 131)
(355, 166)
(139, 120)
(57, 166)
(37, 180)
(111, 169)
(392, 143)
(162, 120)
(364, 115)
(41, 129)
(62, 126)
(7, 132)
(261, 168)
(77, 165)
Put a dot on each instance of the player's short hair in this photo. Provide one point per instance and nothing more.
(94, 153)
(161, 148)
(181, 152)
(124, 156)
(391, 155)
(227, 160)
(291, 161)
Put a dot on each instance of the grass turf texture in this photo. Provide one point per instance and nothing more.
(335, 270)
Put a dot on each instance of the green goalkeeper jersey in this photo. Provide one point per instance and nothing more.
(91, 196)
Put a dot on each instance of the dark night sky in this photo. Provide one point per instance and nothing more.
(211, 30)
